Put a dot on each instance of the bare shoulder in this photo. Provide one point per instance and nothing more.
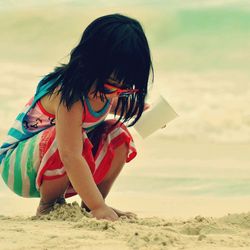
(51, 102)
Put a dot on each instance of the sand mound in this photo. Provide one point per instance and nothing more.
(65, 212)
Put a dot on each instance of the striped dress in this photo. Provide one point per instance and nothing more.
(30, 154)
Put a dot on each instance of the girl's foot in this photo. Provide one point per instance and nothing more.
(47, 207)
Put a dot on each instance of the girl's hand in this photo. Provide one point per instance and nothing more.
(104, 212)
(129, 215)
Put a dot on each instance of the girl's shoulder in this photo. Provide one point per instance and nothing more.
(50, 102)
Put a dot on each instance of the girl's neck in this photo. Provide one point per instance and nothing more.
(96, 103)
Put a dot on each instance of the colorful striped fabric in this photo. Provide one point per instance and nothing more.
(20, 166)
(51, 166)
(30, 154)
(18, 131)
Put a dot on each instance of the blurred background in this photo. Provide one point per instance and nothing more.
(201, 54)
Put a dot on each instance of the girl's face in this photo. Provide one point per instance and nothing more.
(112, 86)
(114, 89)
(111, 93)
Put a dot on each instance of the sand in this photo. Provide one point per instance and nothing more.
(69, 227)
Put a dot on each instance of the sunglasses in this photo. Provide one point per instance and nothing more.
(111, 89)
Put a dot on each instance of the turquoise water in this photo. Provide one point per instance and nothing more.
(189, 37)
(205, 39)
(213, 187)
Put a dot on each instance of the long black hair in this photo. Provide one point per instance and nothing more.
(111, 45)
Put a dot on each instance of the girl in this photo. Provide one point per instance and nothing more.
(60, 144)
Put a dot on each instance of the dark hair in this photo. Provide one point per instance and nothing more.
(112, 44)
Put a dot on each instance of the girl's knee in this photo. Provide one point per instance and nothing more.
(53, 189)
(121, 151)
(119, 159)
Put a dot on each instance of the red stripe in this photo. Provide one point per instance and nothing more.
(45, 112)
(54, 160)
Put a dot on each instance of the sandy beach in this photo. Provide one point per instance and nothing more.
(68, 227)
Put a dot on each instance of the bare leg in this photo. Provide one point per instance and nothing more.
(120, 155)
(52, 191)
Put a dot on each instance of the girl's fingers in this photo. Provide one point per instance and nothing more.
(129, 215)
(132, 215)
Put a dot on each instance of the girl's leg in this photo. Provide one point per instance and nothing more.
(120, 155)
(117, 164)
(52, 191)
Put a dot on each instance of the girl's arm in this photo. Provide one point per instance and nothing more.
(70, 146)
